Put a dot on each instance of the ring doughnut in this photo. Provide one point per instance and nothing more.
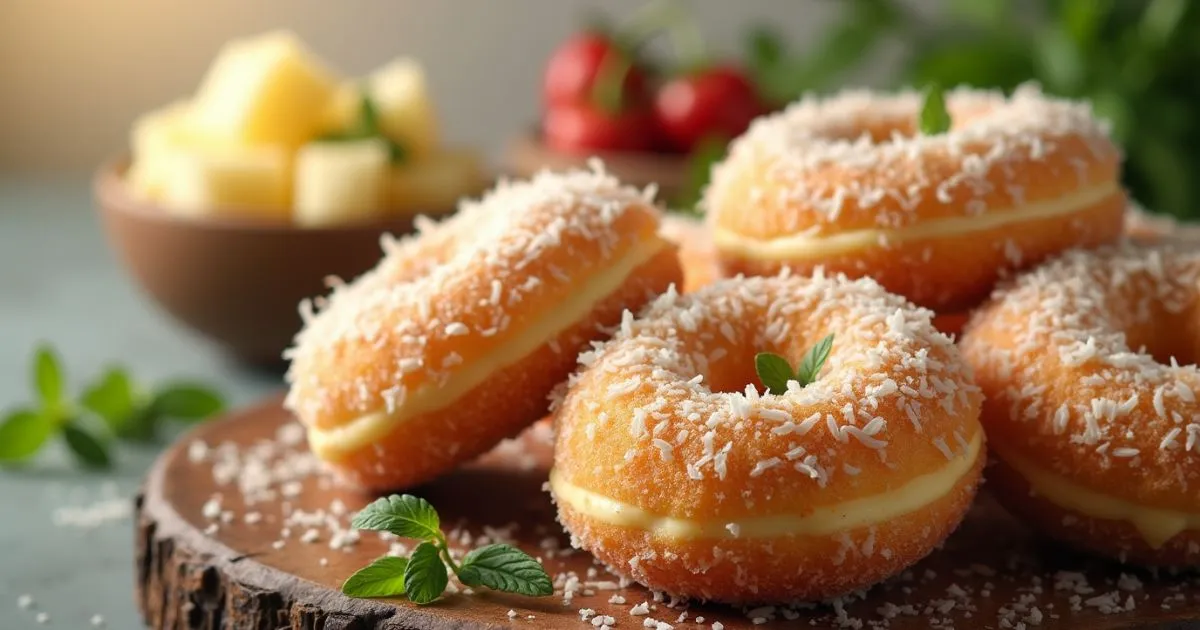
(454, 341)
(1094, 425)
(697, 254)
(674, 469)
(845, 182)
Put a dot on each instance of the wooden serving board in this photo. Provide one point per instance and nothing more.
(227, 563)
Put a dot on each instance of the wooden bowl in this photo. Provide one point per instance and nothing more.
(237, 282)
(527, 155)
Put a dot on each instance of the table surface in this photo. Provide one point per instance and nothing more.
(59, 283)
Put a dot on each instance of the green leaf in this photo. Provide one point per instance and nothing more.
(22, 433)
(1081, 20)
(1160, 21)
(187, 401)
(425, 577)
(774, 372)
(88, 449)
(983, 13)
(48, 376)
(764, 48)
(1060, 62)
(111, 398)
(814, 360)
(382, 578)
(505, 568)
(934, 118)
(403, 515)
(368, 120)
(987, 61)
(139, 426)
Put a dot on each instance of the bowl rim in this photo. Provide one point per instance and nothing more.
(110, 190)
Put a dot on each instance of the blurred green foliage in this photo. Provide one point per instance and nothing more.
(1137, 61)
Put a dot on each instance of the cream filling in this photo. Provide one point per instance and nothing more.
(1156, 525)
(801, 246)
(822, 521)
(336, 442)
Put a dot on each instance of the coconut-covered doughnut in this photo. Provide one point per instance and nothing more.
(847, 182)
(1087, 366)
(675, 468)
(455, 339)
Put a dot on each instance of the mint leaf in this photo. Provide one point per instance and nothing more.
(403, 515)
(425, 577)
(774, 372)
(934, 118)
(87, 448)
(382, 578)
(811, 365)
(47, 376)
(505, 568)
(187, 401)
(22, 433)
(111, 398)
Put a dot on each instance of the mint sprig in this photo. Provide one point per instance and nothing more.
(774, 371)
(382, 578)
(934, 118)
(424, 575)
(110, 406)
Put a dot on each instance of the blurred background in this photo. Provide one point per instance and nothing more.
(77, 73)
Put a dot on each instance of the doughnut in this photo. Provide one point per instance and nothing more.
(696, 252)
(455, 340)
(674, 468)
(1146, 228)
(1091, 400)
(847, 182)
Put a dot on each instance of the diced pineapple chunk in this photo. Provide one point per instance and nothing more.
(340, 182)
(155, 135)
(406, 113)
(435, 183)
(343, 109)
(264, 90)
(245, 182)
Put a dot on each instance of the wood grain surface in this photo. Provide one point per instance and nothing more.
(239, 528)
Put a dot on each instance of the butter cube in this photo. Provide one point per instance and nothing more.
(229, 182)
(340, 182)
(264, 90)
(435, 183)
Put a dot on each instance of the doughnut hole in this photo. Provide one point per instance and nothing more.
(1169, 334)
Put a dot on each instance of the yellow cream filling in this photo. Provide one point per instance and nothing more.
(805, 246)
(1156, 525)
(912, 496)
(336, 442)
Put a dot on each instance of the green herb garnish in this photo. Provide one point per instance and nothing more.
(111, 406)
(774, 371)
(934, 118)
(423, 576)
(366, 127)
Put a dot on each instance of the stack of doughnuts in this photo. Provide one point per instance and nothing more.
(678, 466)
